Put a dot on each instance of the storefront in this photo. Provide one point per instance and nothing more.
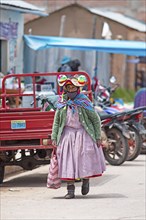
(11, 34)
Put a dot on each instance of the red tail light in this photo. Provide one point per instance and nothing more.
(139, 116)
(106, 121)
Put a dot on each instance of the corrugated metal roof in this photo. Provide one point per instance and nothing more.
(22, 6)
(120, 18)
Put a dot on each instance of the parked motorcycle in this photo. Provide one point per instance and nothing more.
(133, 120)
(143, 149)
(102, 94)
(114, 139)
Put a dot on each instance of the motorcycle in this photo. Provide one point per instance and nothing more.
(133, 120)
(137, 140)
(137, 123)
(102, 94)
(143, 149)
(114, 139)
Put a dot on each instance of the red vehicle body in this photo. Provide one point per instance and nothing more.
(25, 133)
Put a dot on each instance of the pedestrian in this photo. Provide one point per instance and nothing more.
(69, 65)
(76, 134)
(65, 67)
(140, 99)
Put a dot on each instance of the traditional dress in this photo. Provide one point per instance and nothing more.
(77, 153)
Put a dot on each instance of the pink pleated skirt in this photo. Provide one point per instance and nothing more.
(78, 155)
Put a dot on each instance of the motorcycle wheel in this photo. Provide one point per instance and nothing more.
(135, 144)
(143, 148)
(117, 153)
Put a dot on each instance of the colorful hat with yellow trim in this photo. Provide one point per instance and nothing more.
(78, 81)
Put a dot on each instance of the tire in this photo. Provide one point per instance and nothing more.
(143, 149)
(2, 171)
(117, 153)
(135, 145)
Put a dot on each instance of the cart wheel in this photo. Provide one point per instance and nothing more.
(2, 171)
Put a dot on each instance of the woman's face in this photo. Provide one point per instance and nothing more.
(71, 88)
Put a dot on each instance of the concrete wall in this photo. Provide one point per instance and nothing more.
(12, 48)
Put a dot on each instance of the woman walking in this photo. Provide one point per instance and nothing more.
(77, 135)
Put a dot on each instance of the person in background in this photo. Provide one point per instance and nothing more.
(65, 65)
(76, 134)
(75, 64)
(69, 65)
(140, 99)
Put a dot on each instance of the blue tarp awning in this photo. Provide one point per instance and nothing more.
(133, 48)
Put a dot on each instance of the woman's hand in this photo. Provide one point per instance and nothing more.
(98, 142)
(54, 143)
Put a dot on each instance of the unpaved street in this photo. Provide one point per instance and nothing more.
(118, 195)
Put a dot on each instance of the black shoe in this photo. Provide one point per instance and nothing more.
(85, 187)
(71, 191)
(69, 196)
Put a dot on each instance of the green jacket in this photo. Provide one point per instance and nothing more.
(89, 120)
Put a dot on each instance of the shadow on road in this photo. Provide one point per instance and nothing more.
(31, 180)
(40, 180)
(131, 165)
(97, 196)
